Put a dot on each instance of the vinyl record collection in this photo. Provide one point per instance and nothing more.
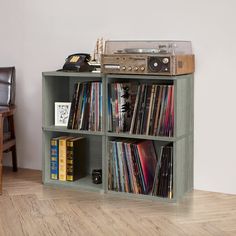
(121, 96)
(86, 107)
(141, 109)
(136, 167)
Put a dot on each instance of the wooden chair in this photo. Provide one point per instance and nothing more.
(9, 143)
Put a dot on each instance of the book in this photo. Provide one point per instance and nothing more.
(62, 157)
(75, 159)
(54, 155)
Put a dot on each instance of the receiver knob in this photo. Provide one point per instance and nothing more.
(123, 68)
(165, 60)
(135, 68)
(129, 68)
(142, 68)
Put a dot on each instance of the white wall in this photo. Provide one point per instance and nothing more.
(36, 36)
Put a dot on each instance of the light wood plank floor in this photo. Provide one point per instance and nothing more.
(29, 208)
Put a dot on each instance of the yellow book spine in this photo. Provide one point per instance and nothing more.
(62, 159)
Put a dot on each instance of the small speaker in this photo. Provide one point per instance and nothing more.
(97, 176)
(154, 64)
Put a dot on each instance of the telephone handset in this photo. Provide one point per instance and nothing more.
(78, 62)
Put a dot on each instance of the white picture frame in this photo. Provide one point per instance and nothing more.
(62, 113)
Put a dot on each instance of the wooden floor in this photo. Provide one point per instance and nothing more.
(29, 208)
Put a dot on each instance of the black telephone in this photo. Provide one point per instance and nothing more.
(78, 62)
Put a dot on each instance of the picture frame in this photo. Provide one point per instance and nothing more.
(62, 113)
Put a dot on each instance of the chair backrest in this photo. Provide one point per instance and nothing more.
(7, 86)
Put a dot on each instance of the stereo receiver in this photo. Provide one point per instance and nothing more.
(148, 57)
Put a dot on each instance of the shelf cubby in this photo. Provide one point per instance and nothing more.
(59, 87)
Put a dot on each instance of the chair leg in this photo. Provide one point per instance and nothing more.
(13, 149)
(14, 159)
(1, 150)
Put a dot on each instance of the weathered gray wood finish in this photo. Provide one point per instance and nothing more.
(58, 87)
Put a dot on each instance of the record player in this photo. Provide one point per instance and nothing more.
(148, 57)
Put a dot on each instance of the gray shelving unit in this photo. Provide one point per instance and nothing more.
(58, 87)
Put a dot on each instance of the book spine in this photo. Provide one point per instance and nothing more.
(69, 161)
(54, 159)
(62, 159)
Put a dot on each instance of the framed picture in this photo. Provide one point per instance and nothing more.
(62, 113)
